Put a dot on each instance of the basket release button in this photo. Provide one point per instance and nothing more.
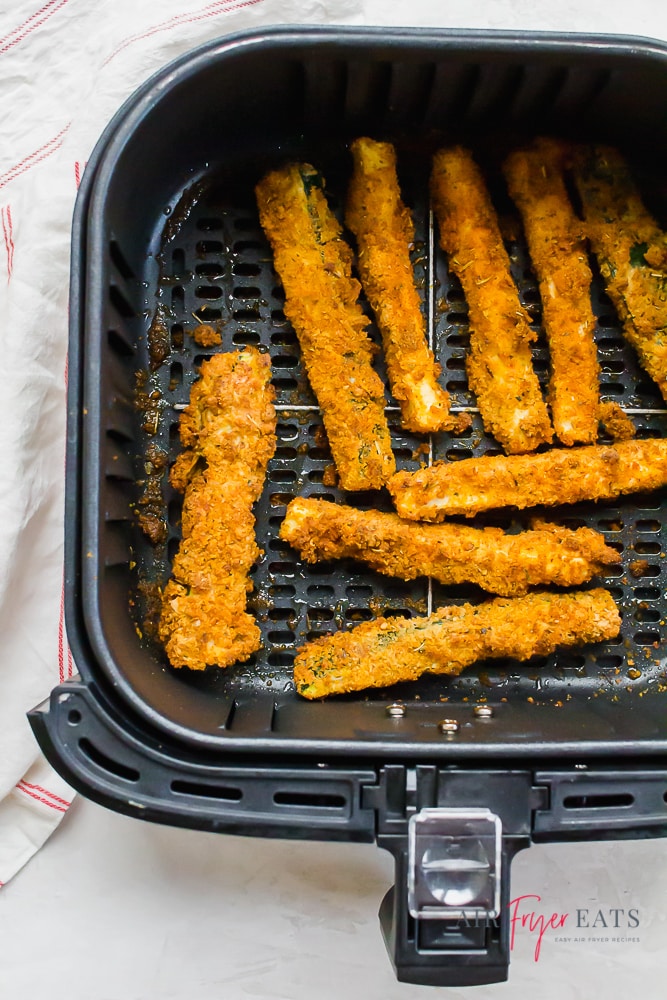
(454, 864)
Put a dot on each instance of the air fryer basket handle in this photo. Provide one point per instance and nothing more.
(463, 952)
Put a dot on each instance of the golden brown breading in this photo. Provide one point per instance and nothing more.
(631, 251)
(385, 232)
(388, 650)
(616, 422)
(314, 264)
(228, 430)
(451, 553)
(556, 244)
(500, 364)
(591, 472)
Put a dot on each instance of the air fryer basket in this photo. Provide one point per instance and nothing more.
(166, 235)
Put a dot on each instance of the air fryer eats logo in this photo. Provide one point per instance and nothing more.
(586, 924)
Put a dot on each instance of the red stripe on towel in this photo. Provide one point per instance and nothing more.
(40, 798)
(218, 7)
(33, 158)
(17, 34)
(45, 791)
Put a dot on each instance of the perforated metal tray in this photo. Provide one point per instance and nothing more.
(212, 264)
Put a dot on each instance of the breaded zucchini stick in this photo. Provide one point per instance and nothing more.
(228, 430)
(499, 365)
(451, 553)
(388, 650)
(314, 264)
(562, 475)
(556, 244)
(631, 251)
(385, 232)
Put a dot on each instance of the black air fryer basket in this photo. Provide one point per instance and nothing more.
(452, 775)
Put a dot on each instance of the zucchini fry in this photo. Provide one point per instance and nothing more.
(562, 475)
(556, 244)
(228, 430)
(314, 265)
(500, 364)
(385, 232)
(631, 251)
(388, 650)
(451, 553)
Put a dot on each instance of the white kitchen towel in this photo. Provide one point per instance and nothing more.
(65, 68)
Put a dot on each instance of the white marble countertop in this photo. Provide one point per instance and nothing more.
(117, 909)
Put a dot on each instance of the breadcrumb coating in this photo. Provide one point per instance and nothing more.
(385, 233)
(391, 650)
(555, 237)
(228, 430)
(499, 364)
(631, 251)
(451, 553)
(562, 475)
(314, 265)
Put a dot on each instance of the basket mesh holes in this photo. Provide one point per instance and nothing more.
(120, 261)
(244, 292)
(247, 246)
(647, 615)
(456, 364)
(177, 337)
(246, 338)
(205, 247)
(648, 593)
(612, 389)
(281, 499)
(458, 454)
(283, 658)
(286, 338)
(359, 614)
(457, 319)
(247, 314)
(321, 592)
(281, 637)
(282, 568)
(120, 303)
(647, 638)
(208, 292)
(118, 344)
(609, 662)
(213, 269)
(358, 592)
(281, 614)
(209, 224)
(174, 508)
(651, 570)
(205, 314)
(246, 269)
(614, 525)
(282, 476)
(320, 614)
(647, 548)
(178, 263)
(285, 361)
(648, 525)
(283, 591)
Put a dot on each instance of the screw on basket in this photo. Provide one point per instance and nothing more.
(396, 710)
(483, 712)
(449, 727)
